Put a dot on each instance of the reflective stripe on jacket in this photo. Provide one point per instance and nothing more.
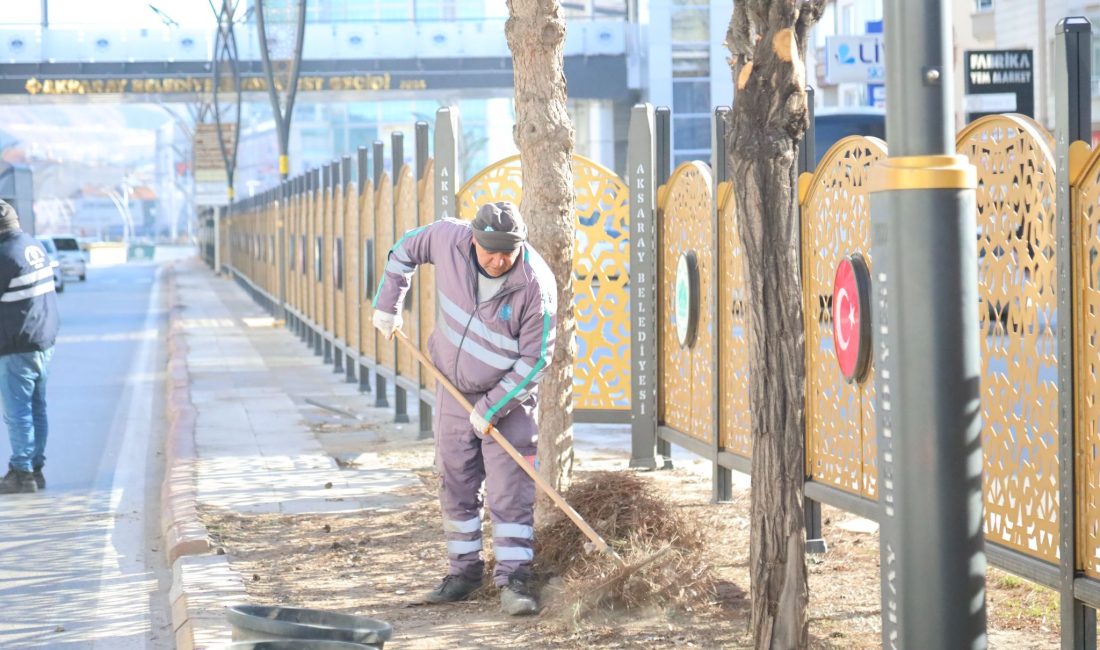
(499, 348)
(28, 304)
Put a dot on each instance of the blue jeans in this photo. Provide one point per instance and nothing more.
(23, 392)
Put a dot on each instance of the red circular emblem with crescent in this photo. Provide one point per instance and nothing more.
(851, 317)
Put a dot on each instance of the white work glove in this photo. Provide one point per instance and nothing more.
(386, 323)
(481, 425)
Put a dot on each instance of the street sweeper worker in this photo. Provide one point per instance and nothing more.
(494, 337)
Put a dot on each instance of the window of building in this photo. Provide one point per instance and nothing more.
(691, 96)
(690, 61)
(690, 24)
(690, 132)
(983, 5)
(1095, 56)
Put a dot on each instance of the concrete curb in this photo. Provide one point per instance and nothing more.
(184, 533)
(198, 618)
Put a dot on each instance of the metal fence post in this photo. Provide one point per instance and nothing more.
(311, 275)
(662, 163)
(380, 389)
(645, 374)
(721, 477)
(1073, 115)
(325, 229)
(366, 267)
(807, 161)
(282, 212)
(317, 273)
(923, 299)
(351, 339)
(335, 229)
(424, 408)
(397, 164)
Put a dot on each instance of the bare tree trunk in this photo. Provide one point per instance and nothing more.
(544, 134)
(767, 40)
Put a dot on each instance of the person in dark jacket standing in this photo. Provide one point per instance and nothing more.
(493, 339)
(28, 329)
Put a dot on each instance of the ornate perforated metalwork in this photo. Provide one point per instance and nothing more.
(383, 214)
(426, 295)
(406, 218)
(601, 270)
(836, 222)
(352, 271)
(687, 373)
(367, 339)
(1086, 274)
(1017, 311)
(733, 328)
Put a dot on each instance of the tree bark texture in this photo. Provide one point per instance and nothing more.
(766, 39)
(544, 135)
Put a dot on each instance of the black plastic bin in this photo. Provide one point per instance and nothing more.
(298, 644)
(273, 623)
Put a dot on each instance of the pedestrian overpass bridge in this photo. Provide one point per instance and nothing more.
(341, 60)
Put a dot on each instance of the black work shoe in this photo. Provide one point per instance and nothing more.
(453, 588)
(17, 481)
(39, 478)
(517, 598)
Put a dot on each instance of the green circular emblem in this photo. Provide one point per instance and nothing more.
(686, 299)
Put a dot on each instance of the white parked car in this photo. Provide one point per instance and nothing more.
(51, 252)
(73, 262)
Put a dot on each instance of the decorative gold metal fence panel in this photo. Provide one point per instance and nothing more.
(426, 295)
(352, 269)
(1086, 238)
(733, 337)
(1017, 311)
(406, 218)
(383, 231)
(367, 343)
(601, 270)
(836, 222)
(687, 373)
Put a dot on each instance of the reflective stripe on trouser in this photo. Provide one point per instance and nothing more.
(465, 462)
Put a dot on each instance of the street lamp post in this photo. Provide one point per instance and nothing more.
(924, 312)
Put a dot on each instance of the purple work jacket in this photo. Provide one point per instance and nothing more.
(498, 349)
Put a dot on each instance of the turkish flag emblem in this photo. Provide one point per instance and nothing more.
(851, 311)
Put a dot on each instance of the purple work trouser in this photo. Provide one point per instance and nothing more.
(464, 461)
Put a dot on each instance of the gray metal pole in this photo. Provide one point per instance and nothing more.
(325, 229)
(397, 164)
(807, 162)
(927, 360)
(721, 477)
(336, 232)
(662, 122)
(422, 154)
(640, 169)
(366, 273)
(351, 322)
(317, 273)
(380, 399)
(1073, 114)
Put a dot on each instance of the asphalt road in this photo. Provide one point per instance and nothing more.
(81, 564)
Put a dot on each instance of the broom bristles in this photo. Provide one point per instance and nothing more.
(662, 549)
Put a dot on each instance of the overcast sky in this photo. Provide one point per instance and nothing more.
(117, 13)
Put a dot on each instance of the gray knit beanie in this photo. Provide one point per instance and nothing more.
(9, 220)
(498, 227)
